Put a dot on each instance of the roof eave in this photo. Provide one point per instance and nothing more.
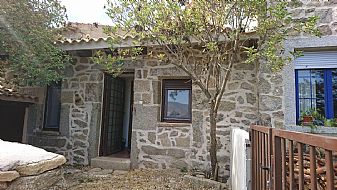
(19, 99)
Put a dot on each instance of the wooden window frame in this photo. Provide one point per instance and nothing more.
(45, 125)
(176, 84)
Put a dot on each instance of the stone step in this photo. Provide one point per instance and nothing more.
(111, 163)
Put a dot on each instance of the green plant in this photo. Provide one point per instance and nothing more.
(317, 117)
(330, 122)
(28, 30)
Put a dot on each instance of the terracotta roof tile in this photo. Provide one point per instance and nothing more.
(75, 33)
(9, 94)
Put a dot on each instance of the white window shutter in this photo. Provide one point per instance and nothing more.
(316, 60)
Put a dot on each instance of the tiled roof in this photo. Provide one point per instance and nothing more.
(8, 94)
(81, 32)
(78, 35)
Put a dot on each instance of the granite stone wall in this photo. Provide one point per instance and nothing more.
(327, 24)
(157, 144)
(81, 102)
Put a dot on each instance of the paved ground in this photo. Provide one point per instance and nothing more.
(97, 179)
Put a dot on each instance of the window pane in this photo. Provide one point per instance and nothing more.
(177, 104)
(304, 87)
(305, 104)
(334, 91)
(304, 73)
(53, 106)
(311, 90)
(319, 104)
(317, 80)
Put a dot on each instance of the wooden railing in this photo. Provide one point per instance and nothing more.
(297, 160)
(261, 156)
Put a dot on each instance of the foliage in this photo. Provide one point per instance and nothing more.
(318, 119)
(28, 29)
(330, 122)
(313, 112)
(205, 39)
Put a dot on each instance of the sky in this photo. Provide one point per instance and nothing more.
(86, 11)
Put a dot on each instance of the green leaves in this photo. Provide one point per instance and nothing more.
(205, 38)
(28, 29)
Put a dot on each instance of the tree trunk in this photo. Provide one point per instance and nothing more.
(213, 149)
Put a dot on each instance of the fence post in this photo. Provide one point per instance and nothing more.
(277, 169)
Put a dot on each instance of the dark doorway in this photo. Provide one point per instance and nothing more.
(117, 112)
(12, 116)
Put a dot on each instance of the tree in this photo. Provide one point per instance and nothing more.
(205, 39)
(28, 30)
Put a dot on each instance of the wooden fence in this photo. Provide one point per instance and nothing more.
(291, 160)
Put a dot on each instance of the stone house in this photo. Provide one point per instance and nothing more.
(92, 118)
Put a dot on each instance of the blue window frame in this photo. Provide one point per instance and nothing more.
(316, 89)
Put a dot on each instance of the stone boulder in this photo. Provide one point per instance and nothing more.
(40, 167)
(27, 167)
(8, 176)
(37, 182)
(27, 159)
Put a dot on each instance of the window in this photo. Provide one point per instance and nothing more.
(316, 89)
(176, 103)
(53, 107)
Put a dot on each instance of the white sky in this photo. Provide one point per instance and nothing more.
(86, 11)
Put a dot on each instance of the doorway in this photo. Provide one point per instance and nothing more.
(117, 116)
(12, 116)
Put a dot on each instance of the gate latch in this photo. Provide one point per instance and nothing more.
(265, 168)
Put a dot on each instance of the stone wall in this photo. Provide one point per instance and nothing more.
(327, 11)
(81, 101)
(157, 144)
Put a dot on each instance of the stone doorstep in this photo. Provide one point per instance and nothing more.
(111, 163)
(203, 182)
(8, 176)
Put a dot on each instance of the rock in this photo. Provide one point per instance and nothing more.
(247, 86)
(177, 153)
(165, 141)
(270, 103)
(69, 71)
(27, 159)
(251, 98)
(67, 96)
(42, 166)
(8, 176)
(152, 137)
(198, 183)
(95, 170)
(37, 182)
(3, 185)
(142, 86)
(183, 142)
(120, 172)
(264, 86)
(179, 164)
(149, 164)
(226, 106)
(93, 92)
(81, 67)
